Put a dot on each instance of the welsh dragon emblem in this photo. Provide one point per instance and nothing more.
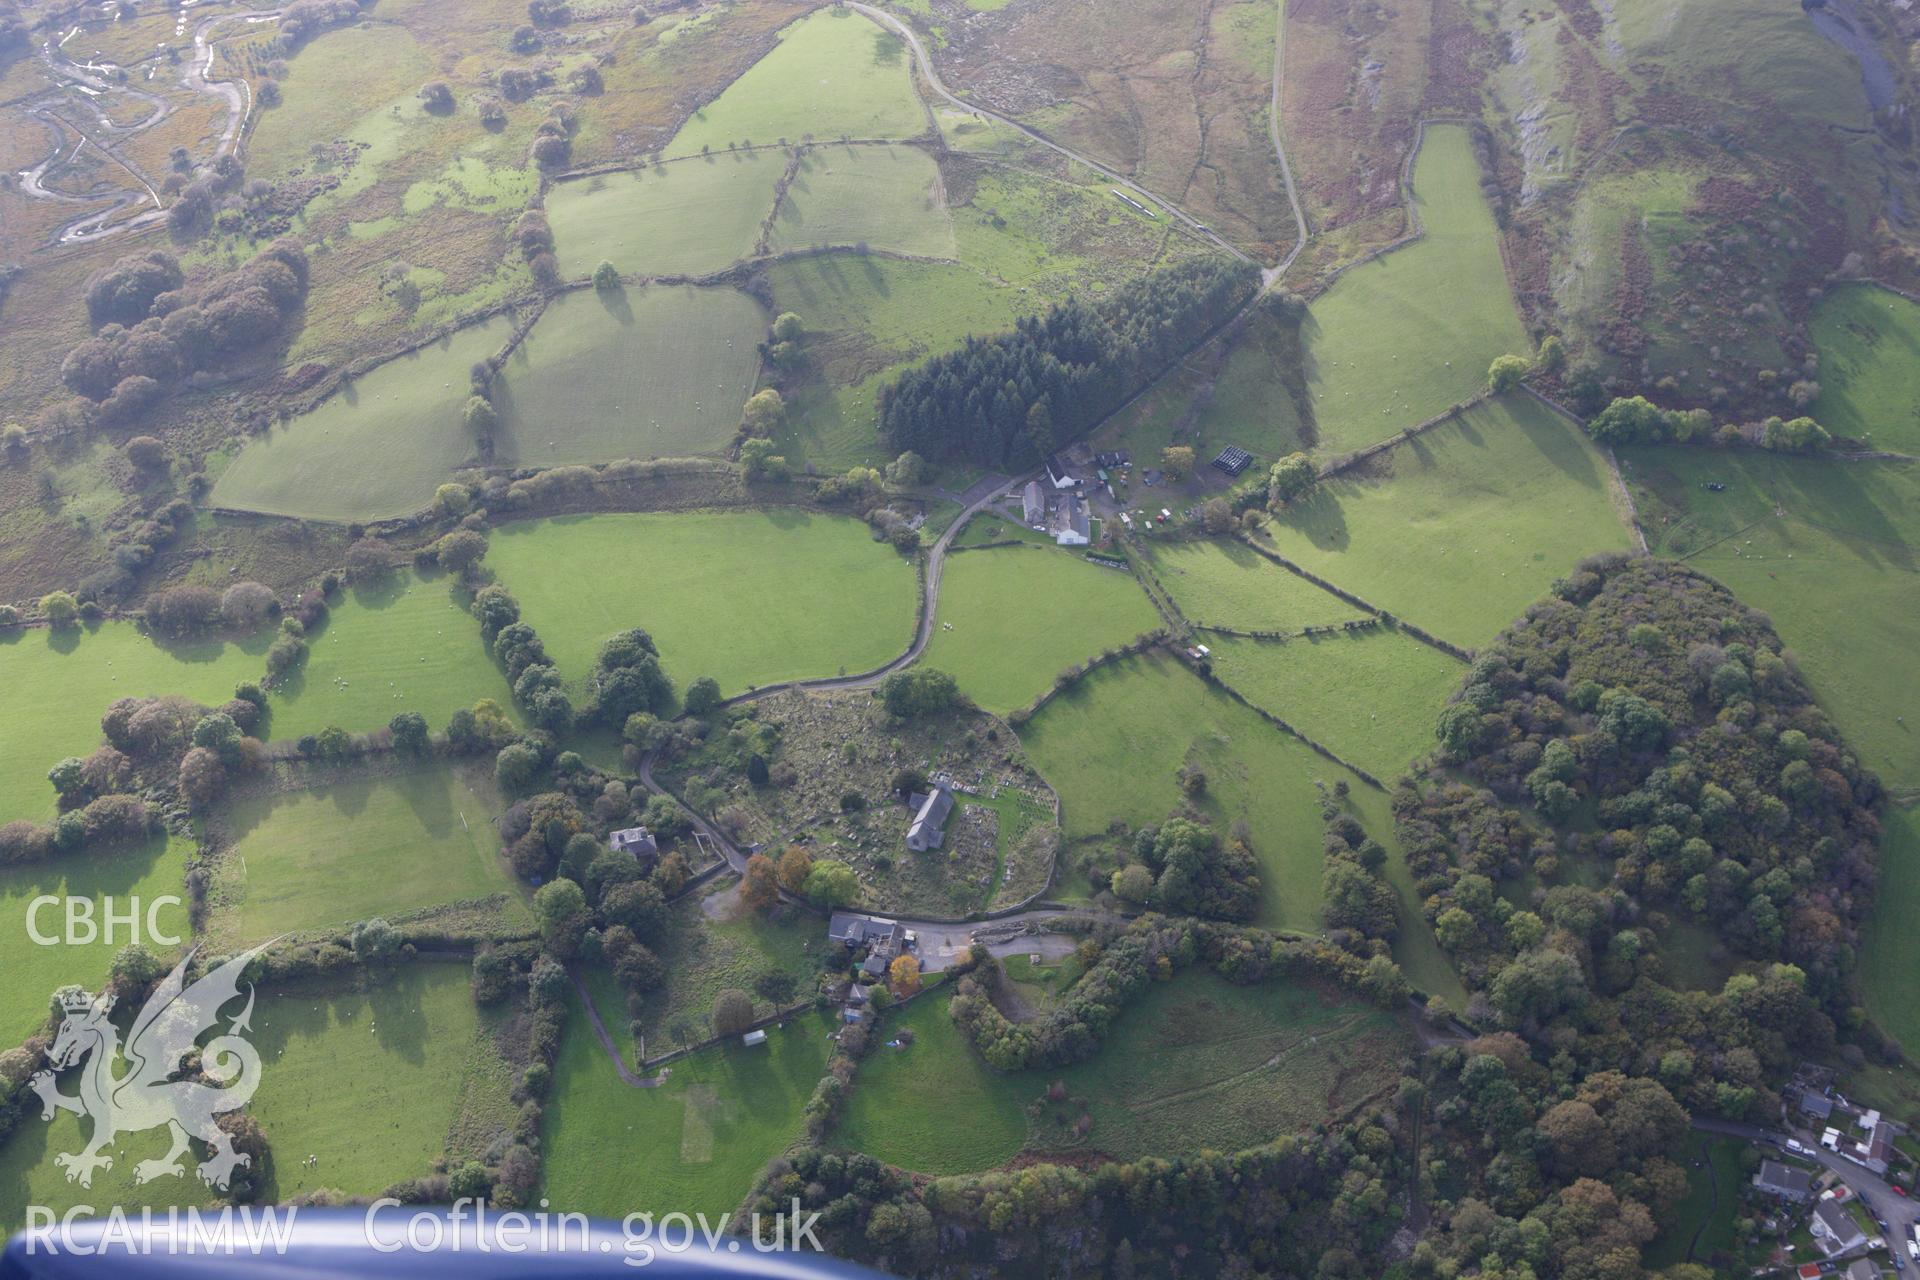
(150, 1095)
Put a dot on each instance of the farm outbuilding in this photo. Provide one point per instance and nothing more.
(1033, 506)
(1233, 460)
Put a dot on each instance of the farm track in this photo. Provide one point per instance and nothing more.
(939, 87)
(1280, 150)
(1270, 276)
(980, 495)
(606, 1039)
(1278, 1056)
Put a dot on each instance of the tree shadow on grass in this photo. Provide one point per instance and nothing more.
(1556, 441)
(429, 795)
(1320, 519)
(114, 870)
(787, 519)
(1813, 489)
(614, 302)
(876, 278)
(400, 1025)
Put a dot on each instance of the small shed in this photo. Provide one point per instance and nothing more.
(757, 1036)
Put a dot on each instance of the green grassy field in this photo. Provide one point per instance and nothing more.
(833, 74)
(1371, 697)
(1112, 747)
(1194, 1064)
(54, 686)
(988, 528)
(375, 448)
(1869, 344)
(692, 217)
(1221, 583)
(1715, 1180)
(1200, 1064)
(1415, 949)
(352, 850)
(710, 947)
(341, 77)
(745, 597)
(1025, 240)
(1019, 616)
(1461, 528)
(138, 874)
(867, 319)
(1239, 396)
(693, 1145)
(887, 197)
(405, 645)
(378, 1083)
(631, 373)
(933, 1106)
(1830, 551)
(29, 1177)
(1886, 961)
(1398, 339)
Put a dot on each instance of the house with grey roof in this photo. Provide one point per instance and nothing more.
(929, 818)
(1071, 525)
(1816, 1104)
(1862, 1269)
(852, 929)
(1835, 1228)
(637, 841)
(1782, 1181)
(1874, 1150)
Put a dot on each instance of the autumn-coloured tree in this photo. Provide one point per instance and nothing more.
(794, 865)
(903, 975)
(761, 887)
